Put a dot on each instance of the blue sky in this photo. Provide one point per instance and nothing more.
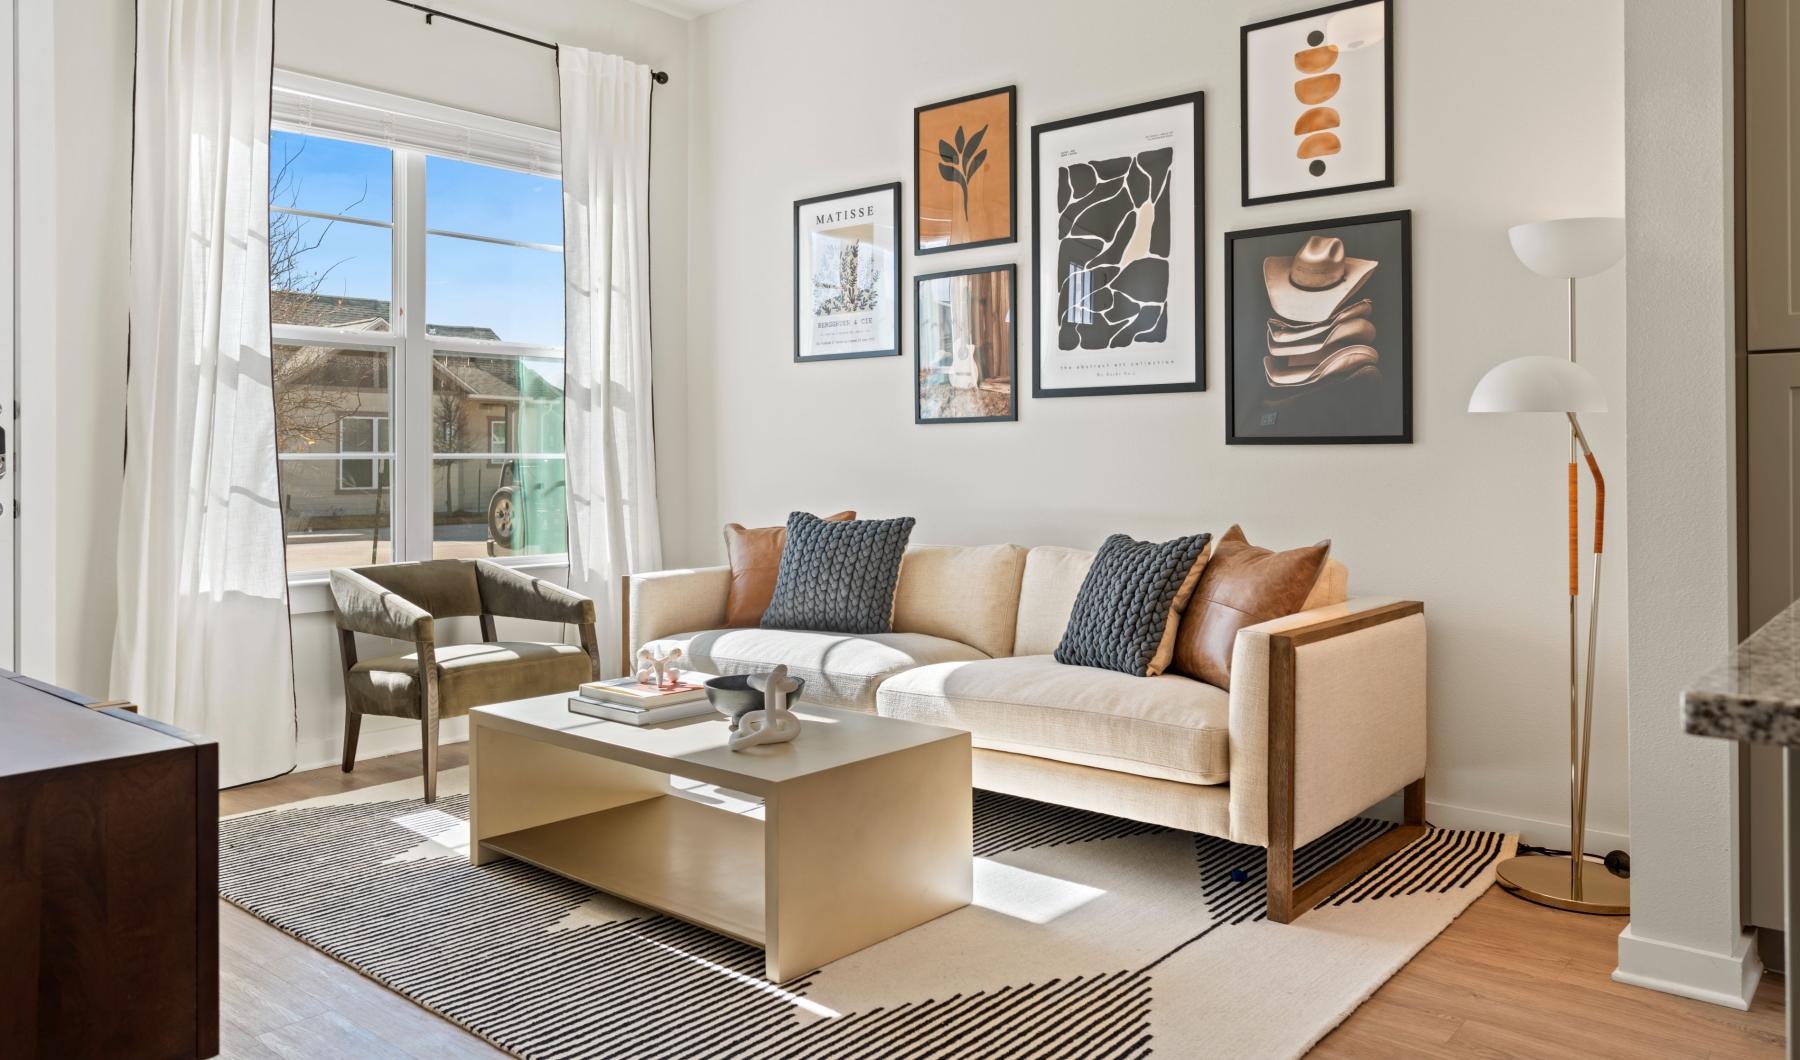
(517, 292)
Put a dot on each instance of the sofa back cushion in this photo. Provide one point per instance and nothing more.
(1052, 580)
(1333, 586)
(444, 587)
(967, 594)
(1053, 577)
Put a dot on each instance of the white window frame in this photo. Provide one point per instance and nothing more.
(376, 453)
(410, 129)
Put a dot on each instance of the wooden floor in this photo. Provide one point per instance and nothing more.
(1508, 978)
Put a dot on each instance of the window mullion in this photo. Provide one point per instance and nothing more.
(412, 443)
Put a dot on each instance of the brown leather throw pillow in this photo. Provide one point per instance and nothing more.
(1241, 586)
(755, 558)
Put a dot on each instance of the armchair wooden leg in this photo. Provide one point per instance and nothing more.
(429, 737)
(590, 643)
(428, 717)
(352, 730)
(352, 716)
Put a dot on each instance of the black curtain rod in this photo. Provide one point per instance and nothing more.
(659, 76)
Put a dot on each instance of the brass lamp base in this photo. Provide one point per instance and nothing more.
(1546, 881)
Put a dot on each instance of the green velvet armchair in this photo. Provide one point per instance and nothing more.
(401, 601)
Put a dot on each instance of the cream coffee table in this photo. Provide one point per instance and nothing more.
(864, 828)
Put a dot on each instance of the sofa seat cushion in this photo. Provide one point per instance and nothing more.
(840, 670)
(1168, 727)
(469, 675)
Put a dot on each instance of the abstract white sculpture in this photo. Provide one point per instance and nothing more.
(774, 723)
(658, 670)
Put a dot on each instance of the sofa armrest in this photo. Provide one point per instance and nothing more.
(672, 601)
(1341, 689)
(513, 593)
(362, 606)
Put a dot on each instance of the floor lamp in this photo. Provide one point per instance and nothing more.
(1566, 249)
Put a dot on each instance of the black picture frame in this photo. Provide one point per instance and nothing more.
(1012, 174)
(1038, 390)
(1387, 44)
(1233, 436)
(1012, 288)
(894, 280)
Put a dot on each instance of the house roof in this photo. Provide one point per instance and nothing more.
(359, 314)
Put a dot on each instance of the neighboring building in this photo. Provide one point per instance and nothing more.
(485, 408)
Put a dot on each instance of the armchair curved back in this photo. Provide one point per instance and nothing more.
(445, 587)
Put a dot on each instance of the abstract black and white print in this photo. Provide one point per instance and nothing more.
(1116, 251)
(1113, 250)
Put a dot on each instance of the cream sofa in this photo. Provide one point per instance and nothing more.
(1325, 716)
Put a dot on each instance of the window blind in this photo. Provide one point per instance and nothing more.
(313, 105)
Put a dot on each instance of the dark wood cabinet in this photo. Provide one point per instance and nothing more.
(109, 919)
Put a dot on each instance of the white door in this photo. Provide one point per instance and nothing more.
(8, 375)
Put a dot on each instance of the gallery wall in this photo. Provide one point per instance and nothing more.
(1497, 122)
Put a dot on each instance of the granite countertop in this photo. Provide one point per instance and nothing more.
(1754, 695)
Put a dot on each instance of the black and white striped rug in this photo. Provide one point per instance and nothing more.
(1090, 936)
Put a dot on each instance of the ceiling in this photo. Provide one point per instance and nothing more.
(689, 8)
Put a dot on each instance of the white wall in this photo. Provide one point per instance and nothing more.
(395, 51)
(1498, 122)
(76, 61)
(1686, 932)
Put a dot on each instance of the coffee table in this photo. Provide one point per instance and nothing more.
(855, 832)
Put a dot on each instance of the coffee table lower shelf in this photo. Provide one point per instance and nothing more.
(667, 853)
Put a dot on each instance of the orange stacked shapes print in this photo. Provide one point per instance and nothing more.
(1316, 86)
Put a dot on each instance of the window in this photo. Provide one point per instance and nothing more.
(416, 304)
(362, 434)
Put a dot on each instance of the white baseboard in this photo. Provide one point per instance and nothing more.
(380, 737)
(1727, 979)
(1554, 834)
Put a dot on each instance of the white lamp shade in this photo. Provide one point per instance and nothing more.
(1538, 384)
(1570, 247)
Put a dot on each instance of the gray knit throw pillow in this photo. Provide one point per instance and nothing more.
(838, 577)
(1123, 606)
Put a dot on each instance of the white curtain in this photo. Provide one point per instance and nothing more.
(202, 639)
(613, 526)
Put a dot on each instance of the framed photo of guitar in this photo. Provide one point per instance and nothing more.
(965, 346)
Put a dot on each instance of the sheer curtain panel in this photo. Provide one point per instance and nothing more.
(202, 640)
(613, 525)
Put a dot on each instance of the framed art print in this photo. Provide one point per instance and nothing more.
(847, 275)
(965, 171)
(1318, 102)
(1318, 332)
(966, 350)
(1117, 272)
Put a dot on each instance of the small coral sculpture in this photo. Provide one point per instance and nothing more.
(658, 670)
(774, 723)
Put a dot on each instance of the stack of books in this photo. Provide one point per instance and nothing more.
(625, 699)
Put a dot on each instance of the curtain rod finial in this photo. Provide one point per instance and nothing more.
(661, 77)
